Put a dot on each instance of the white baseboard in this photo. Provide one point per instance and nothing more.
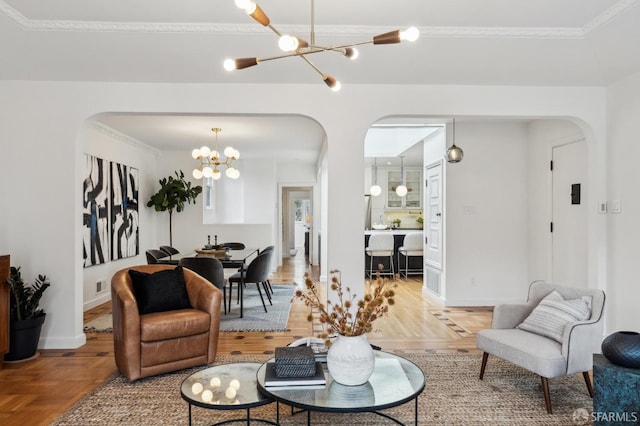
(72, 342)
(97, 301)
(479, 302)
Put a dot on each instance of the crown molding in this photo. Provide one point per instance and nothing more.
(609, 14)
(121, 137)
(364, 31)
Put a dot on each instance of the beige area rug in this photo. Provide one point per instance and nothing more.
(254, 317)
(453, 395)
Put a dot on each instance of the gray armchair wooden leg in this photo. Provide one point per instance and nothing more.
(485, 356)
(547, 396)
(587, 380)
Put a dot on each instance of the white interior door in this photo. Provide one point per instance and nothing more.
(433, 216)
(569, 214)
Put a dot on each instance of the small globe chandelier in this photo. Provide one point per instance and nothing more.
(210, 160)
(375, 189)
(454, 153)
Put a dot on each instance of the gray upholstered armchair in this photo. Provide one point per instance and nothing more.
(569, 352)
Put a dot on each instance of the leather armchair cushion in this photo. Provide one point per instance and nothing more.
(160, 291)
(173, 324)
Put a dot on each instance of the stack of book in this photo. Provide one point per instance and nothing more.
(294, 367)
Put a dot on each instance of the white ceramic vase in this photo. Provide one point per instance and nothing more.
(350, 360)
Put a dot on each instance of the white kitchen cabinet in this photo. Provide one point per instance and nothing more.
(413, 182)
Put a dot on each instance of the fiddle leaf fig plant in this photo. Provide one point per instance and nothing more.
(173, 194)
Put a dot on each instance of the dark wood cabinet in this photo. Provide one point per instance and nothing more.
(5, 270)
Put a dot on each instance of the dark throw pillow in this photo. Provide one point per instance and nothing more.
(160, 291)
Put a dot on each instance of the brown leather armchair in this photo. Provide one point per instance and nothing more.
(160, 342)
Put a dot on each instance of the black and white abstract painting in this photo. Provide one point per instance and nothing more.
(124, 211)
(95, 211)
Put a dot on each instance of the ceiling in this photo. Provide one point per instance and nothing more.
(497, 42)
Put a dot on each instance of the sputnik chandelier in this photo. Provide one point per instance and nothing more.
(210, 160)
(295, 46)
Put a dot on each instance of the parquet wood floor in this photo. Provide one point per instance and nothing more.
(35, 392)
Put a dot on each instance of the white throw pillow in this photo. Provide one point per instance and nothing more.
(553, 313)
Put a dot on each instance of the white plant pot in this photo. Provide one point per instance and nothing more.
(351, 360)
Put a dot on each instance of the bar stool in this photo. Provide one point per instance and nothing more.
(380, 245)
(411, 247)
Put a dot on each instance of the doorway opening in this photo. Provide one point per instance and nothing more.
(297, 221)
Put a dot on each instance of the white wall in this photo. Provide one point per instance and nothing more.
(486, 215)
(623, 182)
(46, 118)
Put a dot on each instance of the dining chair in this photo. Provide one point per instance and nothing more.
(169, 250)
(233, 246)
(257, 272)
(156, 256)
(210, 269)
(268, 283)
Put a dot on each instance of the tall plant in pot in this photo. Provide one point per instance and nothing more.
(26, 316)
(172, 195)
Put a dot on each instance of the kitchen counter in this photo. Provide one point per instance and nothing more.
(398, 238)
(399, 231)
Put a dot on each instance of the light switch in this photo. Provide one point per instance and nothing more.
(616, 206)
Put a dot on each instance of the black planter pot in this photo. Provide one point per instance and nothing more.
(23, 338)
(623, 348)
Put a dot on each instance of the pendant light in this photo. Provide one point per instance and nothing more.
(401, 190)
(375, 189)
(454, 153)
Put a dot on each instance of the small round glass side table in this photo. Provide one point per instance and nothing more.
(226, 387)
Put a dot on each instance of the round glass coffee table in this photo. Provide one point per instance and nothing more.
(226, 387)
(395, 381)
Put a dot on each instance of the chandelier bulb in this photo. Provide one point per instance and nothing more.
(215, 174)
(410, 34)
(207, 172)
(229, 152)
(205, 151)
(332, 83)
(229, 65)
(288, 43)
(243, 4)
(351, 53)
(195, 154)
(197, 174)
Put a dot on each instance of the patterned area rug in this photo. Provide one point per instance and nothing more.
(454, 395)
(254, 316)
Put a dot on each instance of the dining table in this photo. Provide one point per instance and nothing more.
(233, 259)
